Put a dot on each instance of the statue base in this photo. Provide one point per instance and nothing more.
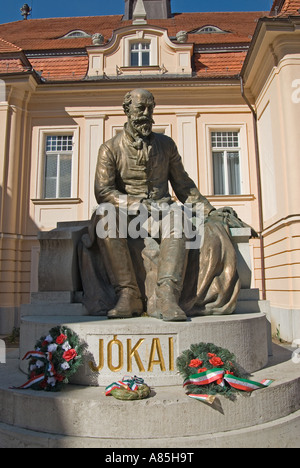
(148, 347)
(83, 417)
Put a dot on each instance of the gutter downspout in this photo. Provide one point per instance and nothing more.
(259, 191)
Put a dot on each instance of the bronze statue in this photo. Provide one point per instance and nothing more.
(134, 170)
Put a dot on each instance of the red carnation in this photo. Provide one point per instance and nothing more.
(61, 339)
(69, 355)
(211, 354)
(203, 369)
(195, 363)
(216, 361)
(44, 383)
(59, 377)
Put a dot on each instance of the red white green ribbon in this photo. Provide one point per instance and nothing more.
(37, 378)
(29, 383)
(129, 383)
(204, 378)
(219, 376)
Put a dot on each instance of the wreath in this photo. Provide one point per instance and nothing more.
(209, 370)
(56, 357)
(129, 388)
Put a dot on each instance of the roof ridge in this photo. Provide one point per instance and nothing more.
(13, 47)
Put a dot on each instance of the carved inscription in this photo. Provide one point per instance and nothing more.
(145, 354)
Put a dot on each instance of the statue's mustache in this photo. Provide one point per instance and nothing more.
(143, 120)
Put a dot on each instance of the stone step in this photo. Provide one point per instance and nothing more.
(282, 433)
(80, 413)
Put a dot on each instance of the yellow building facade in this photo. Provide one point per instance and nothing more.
(227, 90)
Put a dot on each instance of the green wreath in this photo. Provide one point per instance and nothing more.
(56, 357)
(202, 358)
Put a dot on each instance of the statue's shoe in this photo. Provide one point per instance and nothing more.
(167, 303)
(127, 306)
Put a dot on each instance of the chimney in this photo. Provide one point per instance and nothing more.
(155, 9)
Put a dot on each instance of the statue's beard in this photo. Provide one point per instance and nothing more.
(142, 125)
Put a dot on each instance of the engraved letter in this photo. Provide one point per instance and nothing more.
(101, 359)
(171, 353)
(132, 352)
(156, 347)
(109, 355)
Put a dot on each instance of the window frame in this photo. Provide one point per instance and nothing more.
(139, 53)
(140, 37)
(44, 132)
(243, 157)
(76, 34)
(226, 150)
(58, 155)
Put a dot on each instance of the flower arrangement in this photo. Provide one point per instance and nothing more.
(209, 370)
(55, 359)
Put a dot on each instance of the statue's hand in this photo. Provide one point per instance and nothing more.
(226, 209)
(228, 216)
(222, 213)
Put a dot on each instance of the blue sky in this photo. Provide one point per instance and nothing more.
(62, 8)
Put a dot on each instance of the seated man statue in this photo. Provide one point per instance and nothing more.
(134, 169)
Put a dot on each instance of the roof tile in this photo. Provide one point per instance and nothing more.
(45, 35)
(219, 64)
(61, 68)
(6, 46)
(39, 34)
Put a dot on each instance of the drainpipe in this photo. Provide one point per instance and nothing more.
(259, 191)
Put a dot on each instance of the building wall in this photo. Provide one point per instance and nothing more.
(277, 101)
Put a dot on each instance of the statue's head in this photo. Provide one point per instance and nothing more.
(138, 106)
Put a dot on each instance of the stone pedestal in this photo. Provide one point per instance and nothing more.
(148, 347)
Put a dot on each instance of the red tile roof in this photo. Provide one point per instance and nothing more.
(12, 66)
(61, 68)
(219, 65)
(286, 7)
(8, 47)
(291, 7)
(42, 36)
(38, 34)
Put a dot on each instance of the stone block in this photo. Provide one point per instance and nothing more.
(58, 265)
(54, 309)
(240, 237)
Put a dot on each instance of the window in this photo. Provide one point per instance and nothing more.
(226, 163)
(58, 166)
(208, 30)
(74, 34)
(140, 54)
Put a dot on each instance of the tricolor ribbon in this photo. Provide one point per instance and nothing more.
(219, 376)
(129, 383)
(38, 378)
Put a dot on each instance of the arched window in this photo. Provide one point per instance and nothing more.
(207, 30)
(76, 33)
